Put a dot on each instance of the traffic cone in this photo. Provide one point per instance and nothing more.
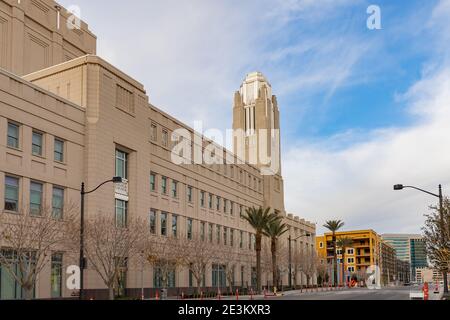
(157, 295)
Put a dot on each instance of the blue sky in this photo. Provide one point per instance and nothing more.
(361, 109)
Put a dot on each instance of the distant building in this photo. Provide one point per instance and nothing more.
(388, 264)
(364, 252)
(410, 248)
(403, 271)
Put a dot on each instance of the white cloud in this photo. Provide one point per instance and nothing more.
(354, 183)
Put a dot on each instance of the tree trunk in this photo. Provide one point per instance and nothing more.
(335, 259)
(111, 293)
(27, 292)
(258, 239)
(274, 263)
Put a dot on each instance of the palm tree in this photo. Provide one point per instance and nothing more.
(259, 219)
(333, 226)
(274, 230)
(344, 243)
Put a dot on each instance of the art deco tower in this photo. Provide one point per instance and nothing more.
(256, 125)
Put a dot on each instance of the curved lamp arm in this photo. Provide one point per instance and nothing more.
(115, 180)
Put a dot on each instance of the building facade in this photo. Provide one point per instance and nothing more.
(364, 252)
(368, 249)
(388, 264)
(410, 248)
(67, 117)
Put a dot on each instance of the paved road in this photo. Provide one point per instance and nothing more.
(394, 293)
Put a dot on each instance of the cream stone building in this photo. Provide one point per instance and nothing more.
(67, 116)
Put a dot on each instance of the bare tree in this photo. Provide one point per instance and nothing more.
(198, 255)
(110, 249)
(437, 236)
(28, 240)
(309, 263)
(322, 271)
(166, 254)
(266, 262)
(296, 265)
(282, 261)
(229, 256)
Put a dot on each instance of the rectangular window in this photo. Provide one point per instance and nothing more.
(232, 237)
(36, 146)
(165, 138)
(121, 164)
(56, 275)
(218, 234)
(57, 203)
(241, 210)
(218, 203)
(121, 213)
(225, 236)
(210, 201)
(241, 239)
(202, 231)
(154, 132)
(351, 260)
(169, 274)
(11, 194)
(36, 192)
(152, 182)
(242, 275)
(152, 221)
(225, 207)
(13, 135)
(202, 198)
(231, 208)
(210, 233)
(218, 276)
(189, 228)
(350, 251)
(174, 189)
(189, 194)
(164, 185)
(174, 226)
(59, 150)
(164, 224)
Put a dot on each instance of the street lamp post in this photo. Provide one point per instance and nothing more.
(82, 261)
(441, 212)
(290, 255)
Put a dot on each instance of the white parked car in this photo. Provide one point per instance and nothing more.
(416, 295)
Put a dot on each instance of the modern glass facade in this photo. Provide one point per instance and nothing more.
(410, 248)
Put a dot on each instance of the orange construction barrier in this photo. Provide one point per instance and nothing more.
(426, 293)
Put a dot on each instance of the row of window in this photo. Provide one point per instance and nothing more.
(208, 231)
(228, 171)
(37, 142)
(214, 202)
(12, 192)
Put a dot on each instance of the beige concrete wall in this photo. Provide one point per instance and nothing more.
(30, 38)
(32, 108)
